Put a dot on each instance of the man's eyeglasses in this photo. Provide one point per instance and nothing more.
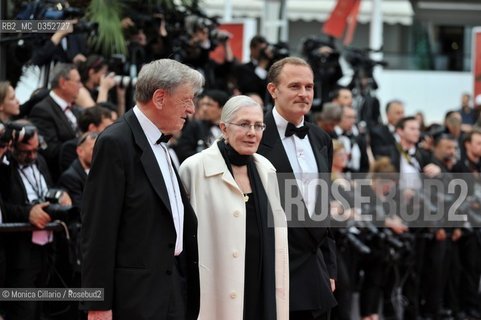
(246, 126)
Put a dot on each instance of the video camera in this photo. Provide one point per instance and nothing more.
(13, 133)
(320, 53)
(275, 52)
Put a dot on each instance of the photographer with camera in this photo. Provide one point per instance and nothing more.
(63, 46)
(252, 76)
(24, 185)
(324, 60)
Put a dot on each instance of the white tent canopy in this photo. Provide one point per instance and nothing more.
(393, 11)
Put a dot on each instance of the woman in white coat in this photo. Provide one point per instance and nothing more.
(243, 251)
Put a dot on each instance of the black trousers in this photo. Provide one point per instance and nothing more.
(178, 297)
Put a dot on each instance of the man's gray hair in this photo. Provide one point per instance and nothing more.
(234, 104)
(61, 70)
(165, 74)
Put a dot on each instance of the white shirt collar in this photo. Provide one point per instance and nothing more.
(61, 102)
(150, 129)
(281, 123)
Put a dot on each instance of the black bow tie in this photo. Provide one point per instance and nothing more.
(164, 138)
(301, 132)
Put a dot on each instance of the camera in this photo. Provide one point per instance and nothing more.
(14, 133)
(55, 210)
(56, 10)
(275, 52)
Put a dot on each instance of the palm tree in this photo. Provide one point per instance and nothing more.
(109, 38)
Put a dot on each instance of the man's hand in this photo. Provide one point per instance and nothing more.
(38, 217)
(100, 315)
(333, 284)
(65, 199)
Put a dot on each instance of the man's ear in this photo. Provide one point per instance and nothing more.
(158, 98)
(271, 87)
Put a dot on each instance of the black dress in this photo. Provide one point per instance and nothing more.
(253, 284)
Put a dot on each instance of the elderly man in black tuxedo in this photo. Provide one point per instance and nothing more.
(139, 230)
(55, 116)
(298, 148)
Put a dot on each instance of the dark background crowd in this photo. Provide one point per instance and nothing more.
(47, 142)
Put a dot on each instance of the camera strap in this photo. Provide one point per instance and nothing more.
(36, 185)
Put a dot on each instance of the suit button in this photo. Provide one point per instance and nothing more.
(235, 254)
(171, 245)
(233, 295)
(168, 272)
(236, 214)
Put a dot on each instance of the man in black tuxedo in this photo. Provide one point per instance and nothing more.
(139, 230)
(55, 117)
(382, 137)
(297, 148)
(74, 178)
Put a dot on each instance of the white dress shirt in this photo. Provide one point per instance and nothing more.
(166, 167)
(302, 160)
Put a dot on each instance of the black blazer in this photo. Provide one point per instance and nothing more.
(17, 209)
(128, 234)
(312, 257)
(73, 180)
(249, 82)
(382, 141)
(53, 126)
(194, 131)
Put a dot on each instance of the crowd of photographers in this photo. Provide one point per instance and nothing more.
(400, 271)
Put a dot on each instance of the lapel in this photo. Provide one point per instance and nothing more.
(214, 164)
(319, 150)
(272, 148)
(77, 166)
(61, 117)
(148, 160)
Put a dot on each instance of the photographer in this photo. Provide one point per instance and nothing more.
(24, 184)
(324, 61)
(63, 46)
(252, 76)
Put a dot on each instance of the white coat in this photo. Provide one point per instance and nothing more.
(220, 208)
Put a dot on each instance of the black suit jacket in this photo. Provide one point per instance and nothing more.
(17, 209)
(73, 180)
(53, 125)
(312, 257)
(194, 131)
(382, 141)
(128, 231)
(249, 82)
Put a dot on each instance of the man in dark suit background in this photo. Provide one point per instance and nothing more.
(252, 76)
(382, 137)
(300, 148)
(139, 230)
(55, 117)
(74, 178)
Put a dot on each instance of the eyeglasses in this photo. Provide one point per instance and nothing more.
(246, 126)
